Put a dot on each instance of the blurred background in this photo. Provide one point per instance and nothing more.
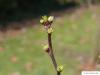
(75, 37)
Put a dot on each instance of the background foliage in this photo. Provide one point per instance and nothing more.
(10, 8)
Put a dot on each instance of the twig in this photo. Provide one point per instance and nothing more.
(52, 54)
(47, 21)
(51, 51)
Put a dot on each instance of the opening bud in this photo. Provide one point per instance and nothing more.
(50, 30)
(45, 18)
(51, 18)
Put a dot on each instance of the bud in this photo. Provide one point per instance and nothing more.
(51, 18)
(46, 48)
(41, 21)
(45, 18)
(50, 30)
(60, 68)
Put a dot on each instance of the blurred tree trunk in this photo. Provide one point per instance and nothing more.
(92, 64)
(96, 57)
(97, 48)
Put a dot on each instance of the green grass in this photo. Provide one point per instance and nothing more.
(71, 38)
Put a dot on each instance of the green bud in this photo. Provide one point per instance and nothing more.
(46, 48)
(60, 68)
(41, 21)
(45, 18)
(50, 30)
